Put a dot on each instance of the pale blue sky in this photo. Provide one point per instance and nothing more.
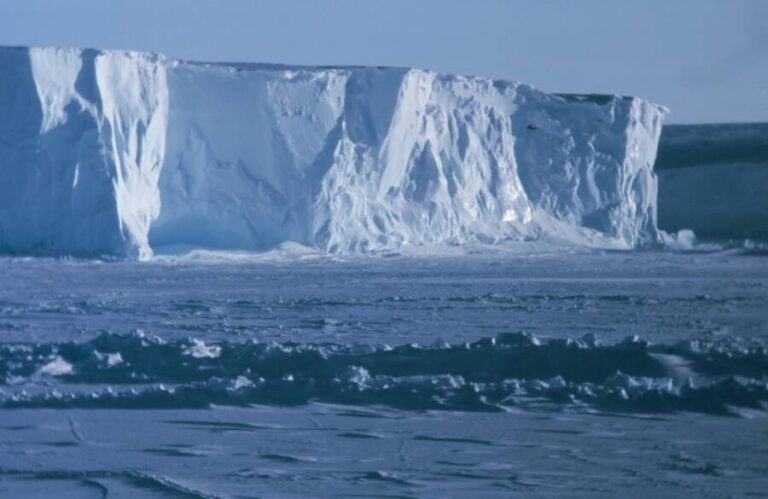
(705, 59)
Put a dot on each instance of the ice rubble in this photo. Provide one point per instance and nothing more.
(117, 153)
(510, 371)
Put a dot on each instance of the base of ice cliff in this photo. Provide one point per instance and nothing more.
(117, 153)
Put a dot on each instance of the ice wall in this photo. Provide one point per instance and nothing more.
(82, 139)
(118, 153)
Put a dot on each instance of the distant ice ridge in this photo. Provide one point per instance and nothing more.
(714, 180)
(117, 153)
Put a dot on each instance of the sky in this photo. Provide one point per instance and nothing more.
(706, 60)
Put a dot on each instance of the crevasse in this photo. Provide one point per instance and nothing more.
(122, 153)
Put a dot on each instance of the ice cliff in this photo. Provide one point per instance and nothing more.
(117, 153)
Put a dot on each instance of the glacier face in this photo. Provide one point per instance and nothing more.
(82, 140)
(120, 153)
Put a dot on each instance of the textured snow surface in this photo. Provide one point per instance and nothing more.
(565, 375)
(566, 331)
(120, 153)
(512, 370)
(713, 179)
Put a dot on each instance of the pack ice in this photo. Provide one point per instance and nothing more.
(117, 153)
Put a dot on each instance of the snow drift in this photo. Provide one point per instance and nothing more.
(117, 153)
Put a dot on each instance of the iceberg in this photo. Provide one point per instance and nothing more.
(124, 153)
(713, 179)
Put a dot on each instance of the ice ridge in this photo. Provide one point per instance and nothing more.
(511, 370)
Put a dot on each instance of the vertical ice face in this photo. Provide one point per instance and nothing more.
(119, 153)
(81, 134)
(245, 148)
(587, 160)
(342, 159)
(55, 195)
(422, 159)
(134, 121)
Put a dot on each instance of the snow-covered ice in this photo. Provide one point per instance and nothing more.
(120, 153)
(544, 375)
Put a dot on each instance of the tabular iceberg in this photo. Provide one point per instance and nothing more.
(714, 180)
(117, 153)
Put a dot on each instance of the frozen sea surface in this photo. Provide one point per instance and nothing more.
(586, 374)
